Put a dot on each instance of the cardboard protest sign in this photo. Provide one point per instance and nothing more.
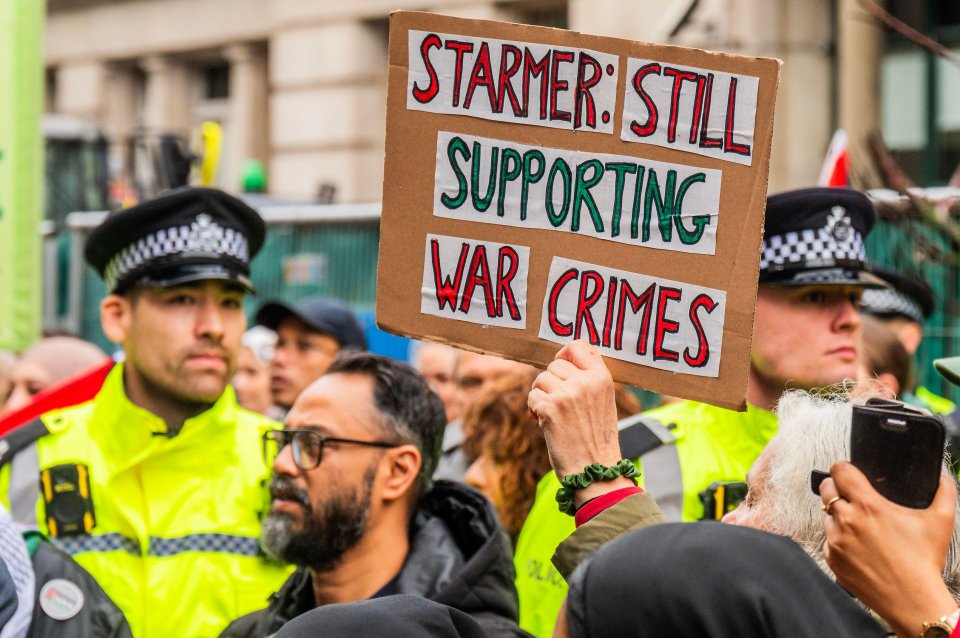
(565, 186)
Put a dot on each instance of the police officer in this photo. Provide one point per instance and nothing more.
(904, 308)
(156, 486)
(694, 456)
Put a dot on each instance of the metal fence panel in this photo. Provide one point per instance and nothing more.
(917, 248)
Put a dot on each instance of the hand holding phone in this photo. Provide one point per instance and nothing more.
(889, 557)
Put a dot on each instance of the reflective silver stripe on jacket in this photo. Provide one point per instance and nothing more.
(662, 476)
(161, 547)
(218, 543)
(24, 488)
(100, 543)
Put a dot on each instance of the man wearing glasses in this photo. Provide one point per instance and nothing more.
(157, 485)
(353, 504)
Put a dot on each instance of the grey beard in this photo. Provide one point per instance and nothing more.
(330, 527)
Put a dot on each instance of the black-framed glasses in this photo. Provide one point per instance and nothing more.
(307, 445)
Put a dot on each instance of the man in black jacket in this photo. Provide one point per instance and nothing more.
(354, 507)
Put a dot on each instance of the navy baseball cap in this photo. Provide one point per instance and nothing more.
(329, 316)
(184, 235)
(815, 236)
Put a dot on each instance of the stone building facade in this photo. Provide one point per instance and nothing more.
(301, 84)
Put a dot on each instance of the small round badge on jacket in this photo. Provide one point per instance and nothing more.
(60, 599)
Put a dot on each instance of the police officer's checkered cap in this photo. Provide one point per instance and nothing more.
(909, 296)
(810, 248)
(189, 227)
(815, 229)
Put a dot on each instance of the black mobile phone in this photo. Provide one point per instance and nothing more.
(899, 447)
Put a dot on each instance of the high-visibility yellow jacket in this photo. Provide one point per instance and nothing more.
(927, 399)
(710, 444)
(174, 521)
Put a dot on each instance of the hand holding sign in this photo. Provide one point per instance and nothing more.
(573, 400)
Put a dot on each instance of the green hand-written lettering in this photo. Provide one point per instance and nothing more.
(637, 200)
(510, 156)
(530, 177)
(620, 169)
(699, 221)
(559, 168)
(581, 194)
(456, 145)
(576, 182)
(663, 203)
(483, 203)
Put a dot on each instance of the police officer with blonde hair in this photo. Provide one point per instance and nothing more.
(157, 485)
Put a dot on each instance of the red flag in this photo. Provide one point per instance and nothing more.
(73, 390)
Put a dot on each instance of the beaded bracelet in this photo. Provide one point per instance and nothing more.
(591, 473)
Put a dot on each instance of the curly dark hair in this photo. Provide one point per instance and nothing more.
(499, 425)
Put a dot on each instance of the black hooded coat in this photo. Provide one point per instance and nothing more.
(711, 581)
(394, 616)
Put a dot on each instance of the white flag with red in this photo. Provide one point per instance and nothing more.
(835, 166)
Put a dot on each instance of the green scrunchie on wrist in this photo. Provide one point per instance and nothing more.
(592, 473)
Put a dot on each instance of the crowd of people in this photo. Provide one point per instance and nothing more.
(211, 478)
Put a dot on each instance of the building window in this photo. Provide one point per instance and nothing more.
(919, 93)
(50, 90)
(216, 82)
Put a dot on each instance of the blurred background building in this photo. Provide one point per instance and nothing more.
(300, 85)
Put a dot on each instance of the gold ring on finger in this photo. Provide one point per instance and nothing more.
(826, 506)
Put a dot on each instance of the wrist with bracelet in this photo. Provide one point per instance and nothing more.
(595, 472)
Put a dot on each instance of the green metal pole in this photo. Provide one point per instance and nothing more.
(21, 170)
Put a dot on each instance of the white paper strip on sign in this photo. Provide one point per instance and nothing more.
(628, 200)
(700, 111)
(654, 322)
(477, 281)
(518, 82)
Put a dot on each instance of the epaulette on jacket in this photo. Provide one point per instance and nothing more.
(21, 438)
